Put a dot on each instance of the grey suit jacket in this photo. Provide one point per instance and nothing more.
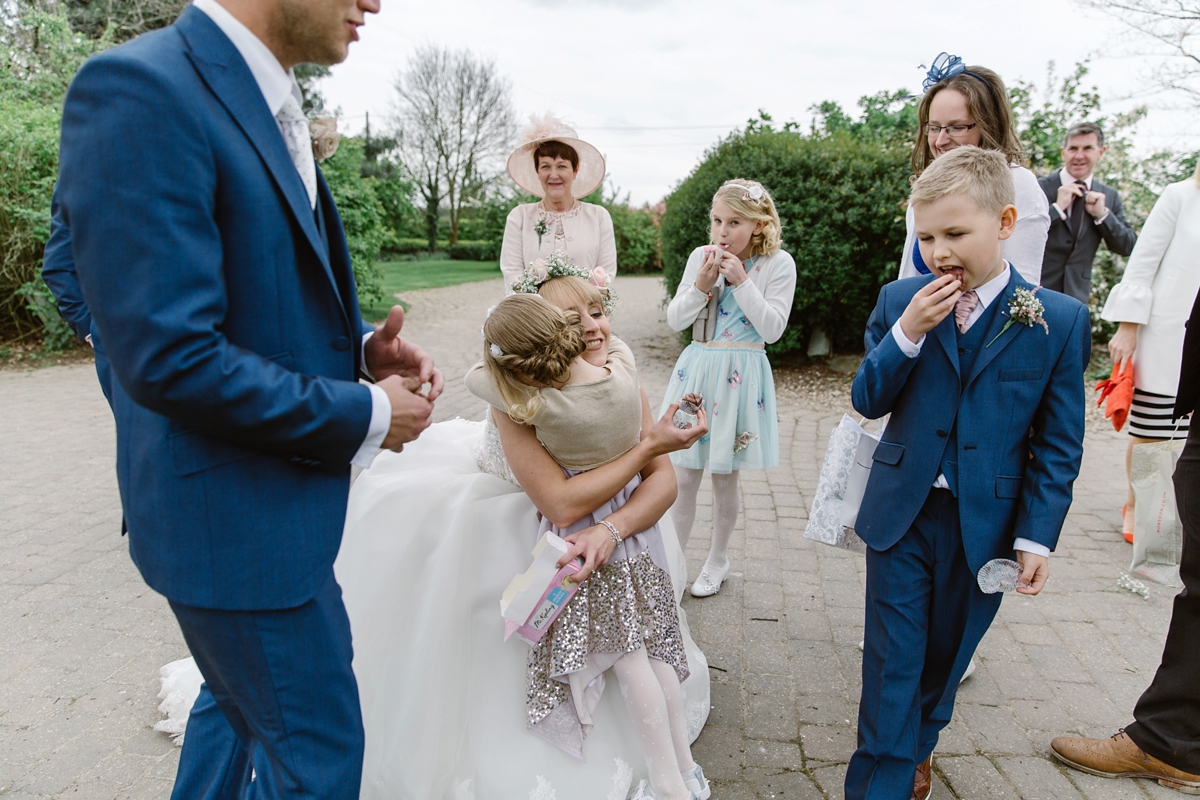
(1067, 264)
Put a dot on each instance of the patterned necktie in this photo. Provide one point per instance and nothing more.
(294, 127)
(1077, 206)
(962, 309)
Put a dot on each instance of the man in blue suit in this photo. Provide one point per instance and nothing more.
(978, 459)
(212, 259)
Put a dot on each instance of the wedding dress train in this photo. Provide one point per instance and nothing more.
(433, 535)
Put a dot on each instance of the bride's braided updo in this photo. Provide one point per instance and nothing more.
(529, 343)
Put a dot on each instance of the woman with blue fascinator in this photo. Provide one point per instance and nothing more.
(968, 105)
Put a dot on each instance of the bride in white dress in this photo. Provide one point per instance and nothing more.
(433, 536)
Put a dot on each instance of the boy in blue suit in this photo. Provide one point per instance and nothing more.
(984, 442)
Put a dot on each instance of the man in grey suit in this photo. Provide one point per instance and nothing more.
(1082, 212)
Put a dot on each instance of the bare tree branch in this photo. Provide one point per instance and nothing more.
(454, 124)
(1169, 29)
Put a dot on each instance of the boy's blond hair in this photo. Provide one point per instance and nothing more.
(738, 194)
(528, 339)
(982, 175)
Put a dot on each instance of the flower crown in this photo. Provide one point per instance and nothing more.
(559, 265)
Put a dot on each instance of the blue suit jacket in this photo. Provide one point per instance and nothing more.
(233, 330)
(1025, 395)
(58, 271)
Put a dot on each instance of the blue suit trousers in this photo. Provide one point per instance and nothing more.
(925, 615)
(279, 698)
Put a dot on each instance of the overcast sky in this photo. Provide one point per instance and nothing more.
(653, 83)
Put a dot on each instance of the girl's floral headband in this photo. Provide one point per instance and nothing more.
(752, 192)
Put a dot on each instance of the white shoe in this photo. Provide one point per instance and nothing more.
(970, 670)
(695, 782)
(710, 580)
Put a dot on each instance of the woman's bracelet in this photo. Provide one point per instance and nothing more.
(612, 531)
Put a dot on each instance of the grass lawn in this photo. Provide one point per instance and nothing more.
(405, 276)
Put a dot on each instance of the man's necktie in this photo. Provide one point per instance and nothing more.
(1077, 209)
(294, 127)
(963, 307)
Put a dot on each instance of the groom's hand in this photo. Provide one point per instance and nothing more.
(387, 354)
(411, 413)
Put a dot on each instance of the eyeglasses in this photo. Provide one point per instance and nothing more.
(951, 130)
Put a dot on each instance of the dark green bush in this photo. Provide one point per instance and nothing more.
(362, 216)
(840, 199)
(464, 250)
(394, 247)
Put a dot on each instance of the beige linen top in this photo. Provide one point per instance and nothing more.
(587, 238)
(582, 425)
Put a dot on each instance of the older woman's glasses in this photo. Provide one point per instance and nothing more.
(952, 130)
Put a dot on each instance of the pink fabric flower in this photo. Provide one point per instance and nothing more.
(599, 278)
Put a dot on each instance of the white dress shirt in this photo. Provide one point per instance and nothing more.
(276, 84)
(987, 293)
(1068, 179)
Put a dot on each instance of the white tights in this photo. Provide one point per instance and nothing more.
(655, 702)
(725, 510)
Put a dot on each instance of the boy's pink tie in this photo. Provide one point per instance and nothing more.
(963, 308)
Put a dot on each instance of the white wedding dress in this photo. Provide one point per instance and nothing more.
(433, 536)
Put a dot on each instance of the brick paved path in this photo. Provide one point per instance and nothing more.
(82, 638)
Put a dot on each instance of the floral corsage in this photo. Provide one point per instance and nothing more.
(541, 228)
(557, 265)
(1026, 309)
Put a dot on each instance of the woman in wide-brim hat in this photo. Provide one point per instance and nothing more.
(553, 163)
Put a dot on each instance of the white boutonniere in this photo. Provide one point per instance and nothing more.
(541, 228)
(1026, 309)
(325, 137)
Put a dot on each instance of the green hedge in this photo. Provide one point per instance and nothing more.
(479, 250)
(840, 200)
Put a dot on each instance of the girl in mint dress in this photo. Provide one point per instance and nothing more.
(737, 294)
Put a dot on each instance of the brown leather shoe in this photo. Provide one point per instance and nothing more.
(922, 782)
(1120, 757)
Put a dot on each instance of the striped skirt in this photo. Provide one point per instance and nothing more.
(1150, 417)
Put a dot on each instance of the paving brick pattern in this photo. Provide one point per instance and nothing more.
(82, 637)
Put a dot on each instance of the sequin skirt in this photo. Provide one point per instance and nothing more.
(626, 605)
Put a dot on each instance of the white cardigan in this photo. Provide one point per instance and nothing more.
(765, 299)
(1159, 287)
(1026, 248)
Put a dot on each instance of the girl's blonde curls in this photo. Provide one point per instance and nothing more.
(529, 343)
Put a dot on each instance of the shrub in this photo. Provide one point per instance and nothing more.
(840, 199)
(639, 242)
(464, 250)
(395, 246)
(28, 168)
(39, 55)
(362, 216)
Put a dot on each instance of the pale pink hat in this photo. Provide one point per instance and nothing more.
(546, 128)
